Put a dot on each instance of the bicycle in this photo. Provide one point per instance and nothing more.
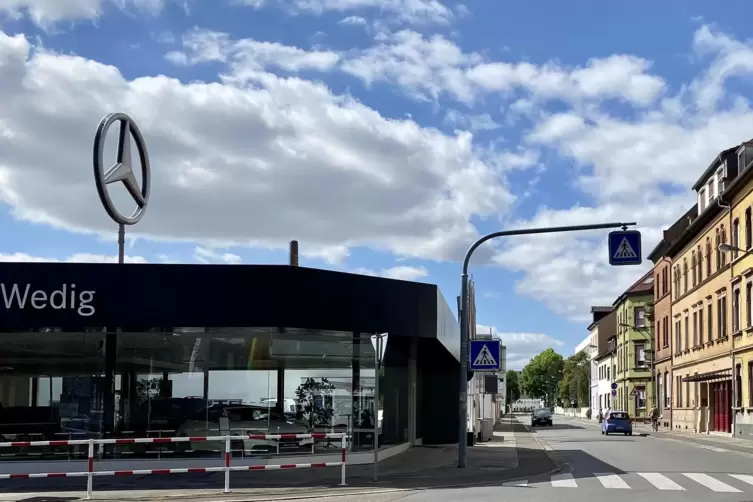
(655, 424)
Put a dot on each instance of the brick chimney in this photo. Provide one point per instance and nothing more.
(293, 253)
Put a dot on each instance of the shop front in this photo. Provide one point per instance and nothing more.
(129, 351)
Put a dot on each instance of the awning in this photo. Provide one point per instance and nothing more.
(725, 374)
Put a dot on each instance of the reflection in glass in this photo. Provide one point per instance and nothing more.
(200, 382)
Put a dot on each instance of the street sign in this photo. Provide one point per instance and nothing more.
(614, 385)
(614, 392)
(485, 355)
(625, 247)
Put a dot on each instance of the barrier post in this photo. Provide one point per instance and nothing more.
(90, 470)
(343, 447)
(227, 465)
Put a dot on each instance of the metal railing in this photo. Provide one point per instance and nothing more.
(227, 468)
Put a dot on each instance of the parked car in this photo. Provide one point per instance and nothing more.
(617, 422)
(541, 416)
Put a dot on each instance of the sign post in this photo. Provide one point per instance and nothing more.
(465, 317)
(379, 342)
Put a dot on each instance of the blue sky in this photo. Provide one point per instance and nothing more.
(385, 135)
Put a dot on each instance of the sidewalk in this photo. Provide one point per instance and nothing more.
(512, 454)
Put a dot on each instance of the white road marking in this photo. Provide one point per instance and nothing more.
(711, 483)
(612, 481)
(516, 483)
(660, 481)
(745, 478)
(564, 481)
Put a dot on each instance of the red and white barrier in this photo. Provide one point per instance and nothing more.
(227, 468)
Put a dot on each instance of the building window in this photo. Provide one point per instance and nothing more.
(739, 385)
(708, 258)
(710, 190)
(701, 326)
(721, 307)
(693, 268)
(702, 202)
(720, 181)
(724, 241)
(710, 321)
(717, 252)
(748, 229)
(748, 306)
(685, 275)
(664, 282)
(699, 264)
(750, 383)
(678, 335)
(736, 310)
(639, 314)
(640, 356)
(687, 331)
(640, 397)
(664, 335)
(679, 391)
(695, 328)
(735, 237)
(667, 391)
(686, 391)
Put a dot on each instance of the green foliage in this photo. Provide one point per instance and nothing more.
(314, 399)
(513, 386)
(541, 375)
(576, 381)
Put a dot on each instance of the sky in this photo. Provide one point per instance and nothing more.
(384, 135)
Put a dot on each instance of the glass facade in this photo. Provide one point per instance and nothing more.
(200, 382)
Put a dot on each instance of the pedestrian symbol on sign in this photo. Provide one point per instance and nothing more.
(484, 358)
(625, 250)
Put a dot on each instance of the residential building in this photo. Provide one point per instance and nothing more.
(602, 327)
(740, 196)
(702, 301)
(662, 316)
(634, 335)
(606, 367)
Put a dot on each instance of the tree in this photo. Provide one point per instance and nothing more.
(314, 400)
(576, 380)
(541, 375)
(513, 386)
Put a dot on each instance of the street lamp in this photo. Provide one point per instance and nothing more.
(728, 248)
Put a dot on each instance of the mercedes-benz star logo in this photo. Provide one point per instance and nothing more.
(122, 170)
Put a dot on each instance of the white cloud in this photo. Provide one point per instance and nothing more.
(402, 272)
(48, 12)
(396, 11)
(207, 256)
(624, 165)
(521, 347)
(74, 258)
(248, 165)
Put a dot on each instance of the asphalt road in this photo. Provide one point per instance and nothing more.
(615, 468)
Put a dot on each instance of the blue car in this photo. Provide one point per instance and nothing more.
(617, 422)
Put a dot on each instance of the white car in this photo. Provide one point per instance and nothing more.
(244, 421)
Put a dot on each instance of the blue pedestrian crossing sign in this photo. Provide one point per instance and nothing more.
(625, 247)
(485, 355)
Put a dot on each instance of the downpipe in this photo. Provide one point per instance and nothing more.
(735, 390)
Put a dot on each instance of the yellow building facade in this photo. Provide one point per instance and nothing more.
(741, 256)
(708, 289)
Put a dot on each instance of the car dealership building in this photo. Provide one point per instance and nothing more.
(134, 350)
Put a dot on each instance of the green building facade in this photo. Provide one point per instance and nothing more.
(633, 358)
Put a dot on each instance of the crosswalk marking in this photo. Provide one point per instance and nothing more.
(660, 481)
(711, 483)
(612, 481)
(745, 478)
(564, 481)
